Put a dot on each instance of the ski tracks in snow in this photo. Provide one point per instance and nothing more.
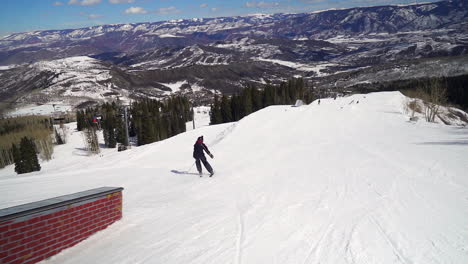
(223, 134)
(240, 237)
(396, 251)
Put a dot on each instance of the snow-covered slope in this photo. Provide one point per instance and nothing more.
(346, 181)
(77, 76)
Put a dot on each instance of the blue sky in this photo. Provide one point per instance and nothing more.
(28, 15)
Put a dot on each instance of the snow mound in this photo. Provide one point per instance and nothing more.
(349, 180)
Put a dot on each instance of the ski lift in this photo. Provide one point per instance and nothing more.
(97, 119)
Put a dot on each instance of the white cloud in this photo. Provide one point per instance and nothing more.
(90, 16)
(135, 10)
(168, 10)
(84, 2)
(204, 5)
(214, 9)
(90, 2)
(121, 1)
(261, 4)
(312, 1)
(57, 3)
(94, 16)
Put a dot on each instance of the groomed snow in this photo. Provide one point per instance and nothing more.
(175, 87)
(346, 181)
(45, 109)
(7, 67)
(301, 67)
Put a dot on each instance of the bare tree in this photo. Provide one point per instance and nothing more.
(434, 98)
(91, 140)
(45, 147)
(61, 134)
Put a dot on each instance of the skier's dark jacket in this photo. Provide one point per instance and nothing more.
(198, 149)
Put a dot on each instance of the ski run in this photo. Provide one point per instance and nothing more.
(351, 180)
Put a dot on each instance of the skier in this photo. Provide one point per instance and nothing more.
(198, 155)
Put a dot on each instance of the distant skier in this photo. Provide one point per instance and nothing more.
(198, 155)
(319, 101)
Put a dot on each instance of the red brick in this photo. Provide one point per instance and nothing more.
(39, 225)
(18, 261)
(49, 254)
(2, 223)
(11, 244)
(33, 220)
(26, 229)
(17, 237)
(12, 233)
(59, 235)
(43, 252)
(33, 261)
(69, 240)
(54, 228)
(39, 236)
(42, 218)
(88, 233)
(33, 244)
(16, 250)
(85, 220)
(52, 243)
(18, 225)
(32, 233)
(10, 258)
(4, 228)
(52, 221)
(27, 240)
(38, 246)
(62, 212)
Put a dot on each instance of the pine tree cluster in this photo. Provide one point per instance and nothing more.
(113, 125)
(84, 118)
(153, 120)
(108, 117)
(149, 120)
(25, 156)
(251, 99)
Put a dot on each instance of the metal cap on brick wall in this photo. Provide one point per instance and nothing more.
(44, 205)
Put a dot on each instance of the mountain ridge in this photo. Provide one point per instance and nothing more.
(224, 54)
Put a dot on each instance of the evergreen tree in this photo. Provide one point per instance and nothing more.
(19, 164)
(215, 113)
(268, 95)
(256, 99)
(26, 156)
(79, 120)
(121, 132)
(226, 111)
(236, 108)
(32, 155)
(153, 120)
(247, 106)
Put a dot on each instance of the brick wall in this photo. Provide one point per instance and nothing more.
(33, 232)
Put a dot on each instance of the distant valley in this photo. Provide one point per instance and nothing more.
(334, 49)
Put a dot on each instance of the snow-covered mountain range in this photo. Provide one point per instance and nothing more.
(223, 54)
